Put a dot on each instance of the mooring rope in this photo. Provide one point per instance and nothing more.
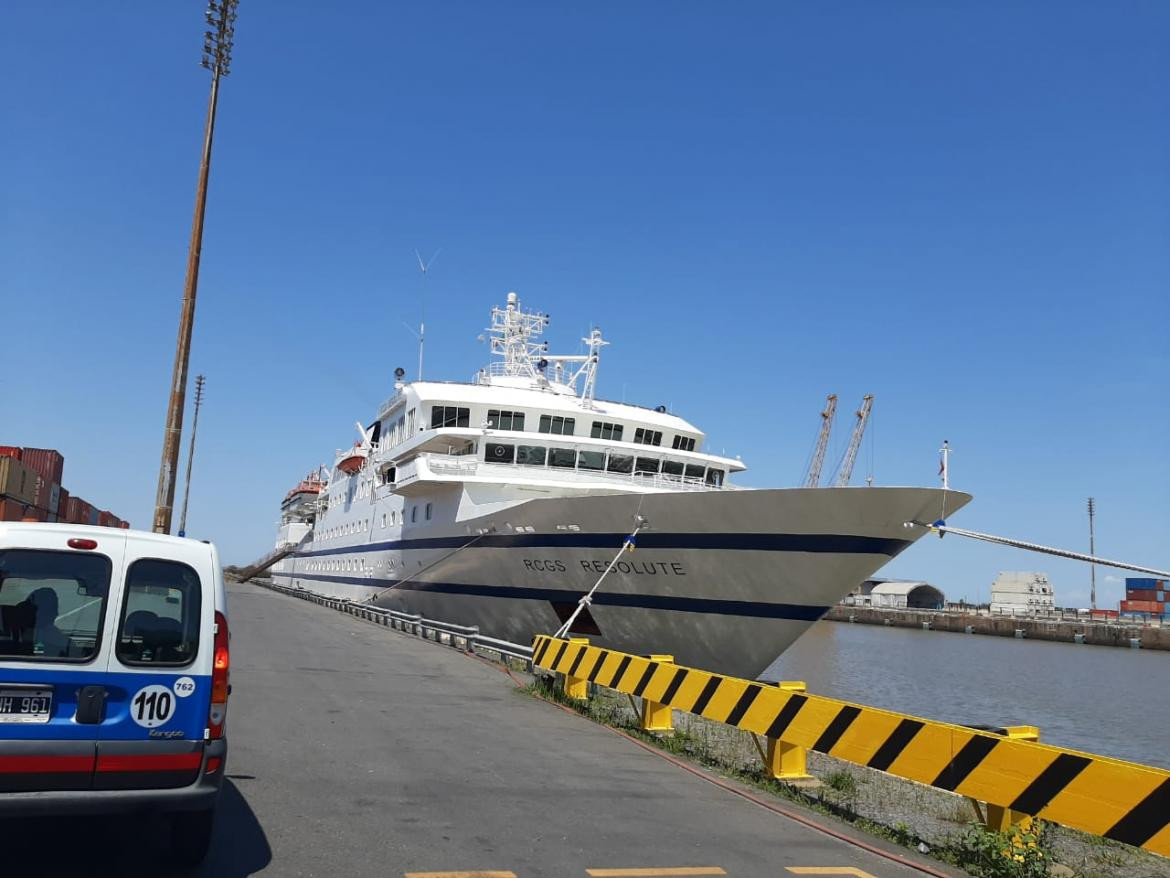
(587, 598)
(942, 528)
(452, 553)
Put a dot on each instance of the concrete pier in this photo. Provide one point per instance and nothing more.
(1063, 631)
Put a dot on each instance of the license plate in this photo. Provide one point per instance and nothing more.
(30, 705)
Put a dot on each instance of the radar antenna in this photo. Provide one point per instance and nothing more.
(422, 322)
(514, 336)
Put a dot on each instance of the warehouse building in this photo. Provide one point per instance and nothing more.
(1022, 594)
(897, 594)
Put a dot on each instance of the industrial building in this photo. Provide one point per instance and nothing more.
(896, 594)
(1022, 594)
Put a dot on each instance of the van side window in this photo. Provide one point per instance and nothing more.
(160, 615)
(52, 604)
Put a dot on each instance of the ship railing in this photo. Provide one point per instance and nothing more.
(463, 637)
(460, 465)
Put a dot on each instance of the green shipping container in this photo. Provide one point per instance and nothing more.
(17, 481)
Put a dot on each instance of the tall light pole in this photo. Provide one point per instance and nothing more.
(217, 57)
(1093, 552)
(199, 379)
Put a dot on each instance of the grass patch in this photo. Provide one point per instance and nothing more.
(843, 782)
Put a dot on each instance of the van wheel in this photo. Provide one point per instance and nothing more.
(191, 835)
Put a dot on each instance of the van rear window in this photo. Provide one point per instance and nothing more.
(160, 617)
(52, 604)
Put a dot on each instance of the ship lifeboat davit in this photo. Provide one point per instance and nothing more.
(352, 462)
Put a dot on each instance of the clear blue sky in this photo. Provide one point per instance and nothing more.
(962, 208)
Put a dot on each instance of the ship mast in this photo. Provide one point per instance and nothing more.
(515, 337)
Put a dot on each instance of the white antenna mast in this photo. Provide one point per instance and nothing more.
(422, 324)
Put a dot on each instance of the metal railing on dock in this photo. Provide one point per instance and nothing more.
(464, 637)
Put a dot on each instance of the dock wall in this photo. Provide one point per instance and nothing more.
(1094, 633)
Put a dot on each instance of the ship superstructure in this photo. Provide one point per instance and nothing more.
(499, 502)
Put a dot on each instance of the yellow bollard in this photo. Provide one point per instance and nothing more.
(577, 688)
(999, 817)
(657, 717)
(785, 761)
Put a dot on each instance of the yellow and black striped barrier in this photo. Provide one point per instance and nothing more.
(1119, 800)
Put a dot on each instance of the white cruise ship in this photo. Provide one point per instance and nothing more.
(499, 502)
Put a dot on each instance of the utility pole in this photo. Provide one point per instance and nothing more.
(217, 57)
(199, 379)
(1093, 552)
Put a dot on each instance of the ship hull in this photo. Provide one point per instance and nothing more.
(722, 580)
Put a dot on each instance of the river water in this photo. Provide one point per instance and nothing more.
(1106, 700)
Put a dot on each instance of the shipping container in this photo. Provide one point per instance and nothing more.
(1143, 607)
(106, 519)
(125, 525)
(76, 512)
(63, 506)
(14, 510)
(81, 512)
(9, 451)
(17, 482)
(46, 461)
(1139, 582)
(46, 495)
(93, 516)
(1143, 594)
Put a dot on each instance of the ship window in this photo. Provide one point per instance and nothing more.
(557, 424)
(684, 443)
(393, 518)
(494, 452)
(428, 512)
(449, 416)
(413, 513)
(694, 471)
(646, 465)
(505, 420)
(620, 463)
(591, 460)
(606, 430)
(672, 467)
(530, 455)
(645, 436)
(715, 477)
(562, 457)
(383, 519)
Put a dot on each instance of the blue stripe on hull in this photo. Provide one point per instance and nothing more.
(832, 543)
(761, 609)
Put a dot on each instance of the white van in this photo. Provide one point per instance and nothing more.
(113, 675)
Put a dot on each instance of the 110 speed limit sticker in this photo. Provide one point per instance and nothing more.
(152, 706)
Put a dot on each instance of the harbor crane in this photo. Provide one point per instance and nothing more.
(814, 471)
(846, 470)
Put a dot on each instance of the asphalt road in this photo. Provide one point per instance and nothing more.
(358, 751)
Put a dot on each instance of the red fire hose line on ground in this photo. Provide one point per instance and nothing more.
(744, 794)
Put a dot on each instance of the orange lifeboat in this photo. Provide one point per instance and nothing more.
(354, 461)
